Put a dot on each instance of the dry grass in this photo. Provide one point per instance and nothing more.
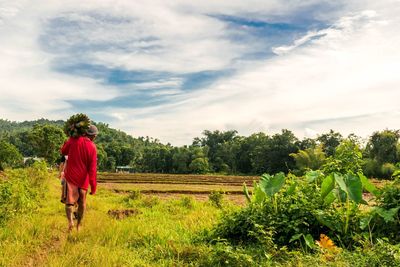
(175, 178)
(167, 187)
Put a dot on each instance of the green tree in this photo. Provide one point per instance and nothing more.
(181, 159)
(347, 158)
(9, 155)
(199, 165)
(47, 140)
(330, 141)
(247, 158)
(101, 158)
(310, 158)
(382, 146)
(273, 155)
(216, 143)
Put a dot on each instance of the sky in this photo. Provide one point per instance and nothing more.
(172, 69)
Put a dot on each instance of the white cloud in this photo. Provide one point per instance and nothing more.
(346, 79)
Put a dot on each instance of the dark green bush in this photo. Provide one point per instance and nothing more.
(371, 168)
(387, 169)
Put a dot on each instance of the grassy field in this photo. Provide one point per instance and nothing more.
(124, 228)
(158, 234)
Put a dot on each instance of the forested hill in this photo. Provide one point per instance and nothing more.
(7, 126)
(213, 152)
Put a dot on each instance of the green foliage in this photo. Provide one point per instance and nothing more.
(330, 141)
(346, 158)
(384, 219)
(135, 194)
(224, 254)
(382, 254)
(285, 215)
(309, 159)
(187, 202)
(150, 201)
(371, 168)
(297, 210)
(21, 191)
(46, 141)
(273, 154)
(9, 155)
(367, 185)
(77, 125)
(387, 170)
(271, 185)
(216, 197)
(217, 151)
(382, 146)
(199, 165)
(216, 142)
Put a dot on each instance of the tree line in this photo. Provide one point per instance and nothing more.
(214, 152)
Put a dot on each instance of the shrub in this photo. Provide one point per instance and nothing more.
(291, 215)
(382, 254)
(187, 202)
(384, 220)
(21, 191)
(347, 158)
(387, 170)
(135, 194)
(9, 155)
(370, 168)
(216, 198)
(150, 202)
(298, 210)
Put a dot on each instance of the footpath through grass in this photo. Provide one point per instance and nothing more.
(160, 234)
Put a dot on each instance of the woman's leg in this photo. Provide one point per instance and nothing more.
(81, 207)
(69, 211)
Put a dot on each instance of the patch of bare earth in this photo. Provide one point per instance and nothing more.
(122, 214)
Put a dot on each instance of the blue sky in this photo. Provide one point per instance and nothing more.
(171, 69)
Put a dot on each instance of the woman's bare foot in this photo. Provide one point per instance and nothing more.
(70, 227)
(78, 227)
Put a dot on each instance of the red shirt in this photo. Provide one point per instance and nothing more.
(82, 162)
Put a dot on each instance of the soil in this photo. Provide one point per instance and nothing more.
(122, 214)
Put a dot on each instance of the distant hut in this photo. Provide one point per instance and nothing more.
(124, 169)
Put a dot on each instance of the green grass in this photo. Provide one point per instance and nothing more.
(165, 232)
(160, 236)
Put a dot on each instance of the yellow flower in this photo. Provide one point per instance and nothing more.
(325, 242)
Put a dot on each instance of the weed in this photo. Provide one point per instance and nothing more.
(150, 201)
(187, 202)
(216, 197)
(134, 195)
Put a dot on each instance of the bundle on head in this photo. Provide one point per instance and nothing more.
(77, 125)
